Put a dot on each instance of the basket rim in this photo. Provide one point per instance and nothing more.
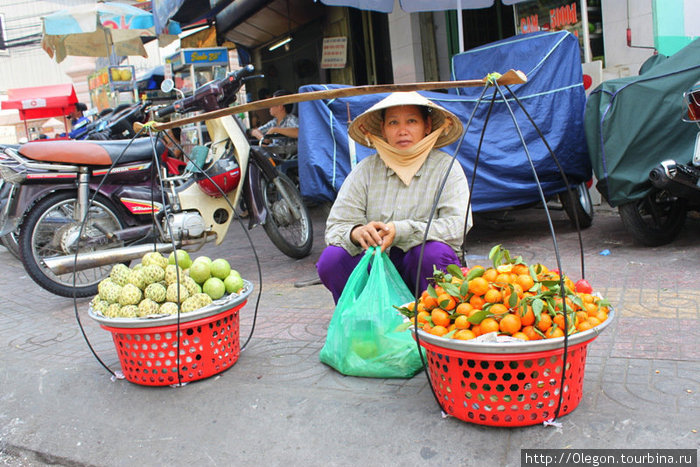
(216, 307)
(515, 347)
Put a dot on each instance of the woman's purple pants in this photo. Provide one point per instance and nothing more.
(335, 265)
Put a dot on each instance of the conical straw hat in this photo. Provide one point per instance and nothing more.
(371, 119)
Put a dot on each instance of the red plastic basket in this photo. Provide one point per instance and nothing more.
(208, 346)
(515, 389)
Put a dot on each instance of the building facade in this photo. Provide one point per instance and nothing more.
(323, 44)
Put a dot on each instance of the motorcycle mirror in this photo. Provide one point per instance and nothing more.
(167, 85)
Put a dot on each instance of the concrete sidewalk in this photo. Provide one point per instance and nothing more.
(278, 405)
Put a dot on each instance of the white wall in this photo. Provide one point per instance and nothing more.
(30, 65)
(406, 50)
(444, 59)
(621, 60)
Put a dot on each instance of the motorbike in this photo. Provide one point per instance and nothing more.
(111, 124)
(10, 239)
(82, 206)
(117, 123)
(284, 153)
(659, 217)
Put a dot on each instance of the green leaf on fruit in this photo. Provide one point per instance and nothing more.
(431, 291)
(464, 289)
(451, 289)
(478, 317)
(455, 270)
(474, 273)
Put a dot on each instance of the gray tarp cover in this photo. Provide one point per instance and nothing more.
(634, 123)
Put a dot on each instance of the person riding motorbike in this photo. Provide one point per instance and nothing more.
(284, 122)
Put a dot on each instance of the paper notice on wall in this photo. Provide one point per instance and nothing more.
(335, 51)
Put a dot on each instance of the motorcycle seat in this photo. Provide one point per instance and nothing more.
(91, 152)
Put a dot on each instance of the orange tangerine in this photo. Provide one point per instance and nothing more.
(503, 278)
(489, 325)
(525, 281)
(423, 316)
(544, 323)
(490, 275)
(510, 323)
(440, 317)
(446, 301)
(498, 309)
(528, 317)
(462, 322)
(464, 334)
(492, 296)
(554, 331)
(478, 286)
(464, 309)
(531, 334)
(477, 302)
(429, 302)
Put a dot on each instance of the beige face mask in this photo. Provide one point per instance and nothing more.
(406, 162)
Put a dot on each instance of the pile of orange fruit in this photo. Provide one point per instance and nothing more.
(512, 298)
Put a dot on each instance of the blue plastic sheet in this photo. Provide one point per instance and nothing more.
(553, 96)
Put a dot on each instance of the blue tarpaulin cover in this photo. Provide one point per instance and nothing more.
(553, 96)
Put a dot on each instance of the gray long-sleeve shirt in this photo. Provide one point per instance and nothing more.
(373, 192)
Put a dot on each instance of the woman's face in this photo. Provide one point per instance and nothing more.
(404, 126)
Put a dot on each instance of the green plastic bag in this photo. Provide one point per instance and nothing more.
(362, 339)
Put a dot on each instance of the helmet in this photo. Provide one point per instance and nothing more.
(220, 178)
(691, 99)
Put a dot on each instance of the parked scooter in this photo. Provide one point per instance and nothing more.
(659, 217)
(284, 153)
(118, 123)
(113, 124)
(11, 239)
(85, 205)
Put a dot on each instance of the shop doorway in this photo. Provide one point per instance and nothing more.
(370, 47)
(294, 64)
(481, 26)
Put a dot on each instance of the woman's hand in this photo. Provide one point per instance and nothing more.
(374, 234)
(256, 133)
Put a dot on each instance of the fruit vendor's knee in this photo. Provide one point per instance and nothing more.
(331, 258)
(438, 254)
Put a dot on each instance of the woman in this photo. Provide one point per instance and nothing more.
(388, 197)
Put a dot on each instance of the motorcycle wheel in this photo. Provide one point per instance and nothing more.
(11, 242)
(50, 225)
(581, 206)
(655, 219)
(292, 236)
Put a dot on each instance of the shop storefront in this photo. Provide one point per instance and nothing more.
(557, 15)
(111, 86)
(38, 104)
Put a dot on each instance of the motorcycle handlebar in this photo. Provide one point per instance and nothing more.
(167, 110)
(210, 96)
